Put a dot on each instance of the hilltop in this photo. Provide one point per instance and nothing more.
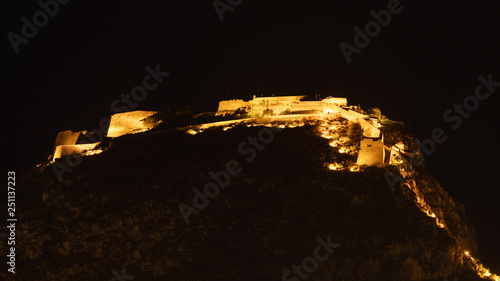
(120, 209)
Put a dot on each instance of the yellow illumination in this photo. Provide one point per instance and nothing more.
(354, 169)
(343, 150)
(335, 166)
(327, 130)
(132, 122)
(93, 152)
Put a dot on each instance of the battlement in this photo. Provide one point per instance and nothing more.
(69, 142)
(279, 108)
(231, 106)
(86, 143)
(280, 105)
(372, 151)
(131, 122)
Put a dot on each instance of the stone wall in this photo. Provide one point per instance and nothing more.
(371, 152)
(67, 137)
(230, 106)
(369, 130)
(281, 105)
(276, 105)
(132, 122)
(307, 106)
(336, 101)
(64, 150)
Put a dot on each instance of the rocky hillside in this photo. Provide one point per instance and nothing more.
(282, 209)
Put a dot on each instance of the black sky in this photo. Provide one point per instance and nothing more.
(424, 61)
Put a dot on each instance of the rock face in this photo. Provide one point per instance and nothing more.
(120, 210)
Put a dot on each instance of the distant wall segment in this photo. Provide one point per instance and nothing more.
(130, 123)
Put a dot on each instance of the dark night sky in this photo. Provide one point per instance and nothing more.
(424, 61)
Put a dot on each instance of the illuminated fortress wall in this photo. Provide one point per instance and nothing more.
(80, 149)
(333, 105)
(307, 106)
(371, 152)
(335, 101)
(67, 137)
(276, 105)
(281, 105)
(132, 122)
(83, 143)
(369, 130)
(371, 149)
(66, 144)
(230, 106)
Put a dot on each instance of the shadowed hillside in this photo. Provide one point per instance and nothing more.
(120, 209)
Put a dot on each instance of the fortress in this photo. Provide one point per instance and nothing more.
(372, 151)
(280, 105)
(283, 112)
(85, 143)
